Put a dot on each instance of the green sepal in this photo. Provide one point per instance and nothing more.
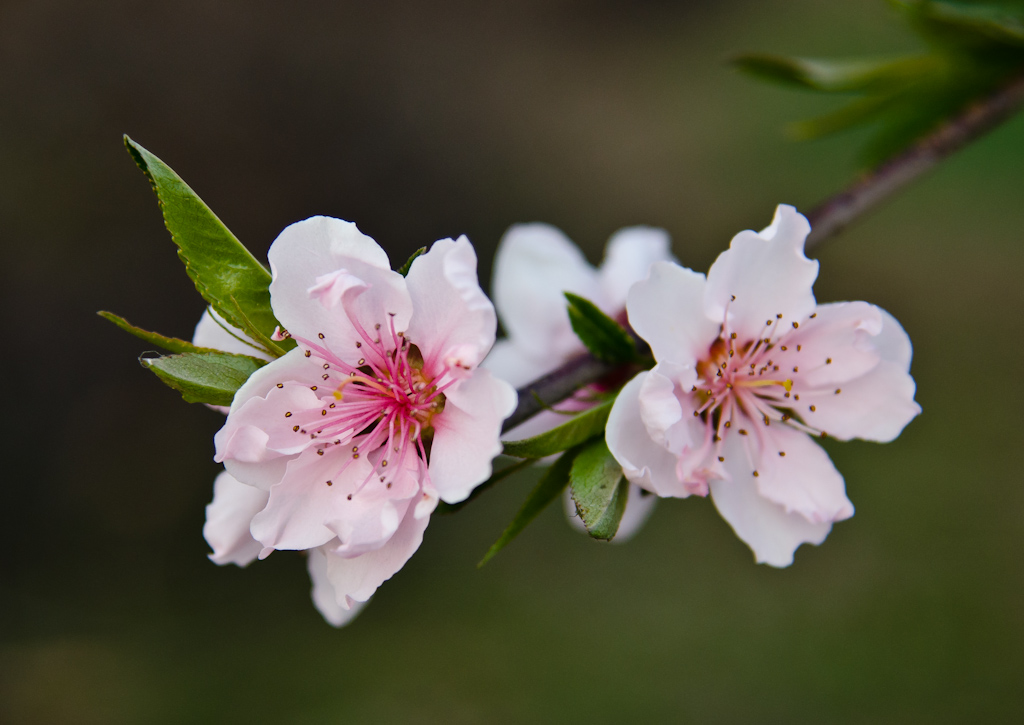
(171, 344)
(605, 338)
(599, 490)
(551, 484)
(227, 276)
(576, 430)
(404, 269)
(207, 377)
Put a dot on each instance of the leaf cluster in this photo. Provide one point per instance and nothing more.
(972, 48)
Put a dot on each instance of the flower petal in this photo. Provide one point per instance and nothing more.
(667, 310)
(796, 473)
(338, 611)
(534, 264)
(628, 259)
(307, 252)
(762, 275)
(834, 346)
(357, 578)
(643, 461)
(214, 332)
(305, 511)
(453, 322)
(765, 527)
(510, 362)
(227, 521)
(466, 434)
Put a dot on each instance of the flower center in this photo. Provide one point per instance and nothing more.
(379, 408)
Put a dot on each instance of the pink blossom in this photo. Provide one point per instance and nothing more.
(749, 370)
(344, 445)
(534, 265)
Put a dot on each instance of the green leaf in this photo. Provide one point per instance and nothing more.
(404, 269)
(552, 483)
(171, 344)
(228, 277)
(209, 377)
(602, 335)
(599, 490)
(577, 430)
(837, 76)
(999, 23)
(450, 508)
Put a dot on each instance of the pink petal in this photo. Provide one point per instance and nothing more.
(643, 461)
(309, 250)
(834, 346)
(793, 472)
(213, 332)
(627, 260)
(338, 611)
(667, 310)
(227, 521)
(357, 578)
(771, 532)
(453, 322)
(762, 275)
(466, 434)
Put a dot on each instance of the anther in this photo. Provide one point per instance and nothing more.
(323, 412)
(828, 361)
(721, 459)
(838, 391)
(798, 347)
(326, 365)
(778, 316)
(813, 409)
(743, 432)
(814, 315)
(330, 483)
(359, 344)
(785, 417)
(313, 387)
(377, 326)
(280, 385)
(308, 353)
(320, 451)
(728, 424)
(362, 361)
(349, 497)
(325, 376)
(295, 429)
(288, 414)
(696, 414)
(824, 434)
(733, 297)
(331, 405)
(733, 335)
(355, 449)
(384, 464)
(796, 325)
(768, 322)
(320, 335)
(782, 454)
(796, 369)
(756, 474)
(796, 396)
(784, 348)
(355, 456)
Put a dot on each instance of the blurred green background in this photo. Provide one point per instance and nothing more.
(426, 120)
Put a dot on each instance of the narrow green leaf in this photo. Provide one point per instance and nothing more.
(211, 378)
(602, 335)
(450, 508)
(598, 490)
(583, 427)
(171, 344)
(221, 268)
(552, 483)
(837, 76)
(404, 269)
(997, 22)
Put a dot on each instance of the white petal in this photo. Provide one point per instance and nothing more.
(308, 251)
(628, 259)
(893, 343)
(534, 265)
(643, 461)
(513, 364)
(453, 321)
(765, 527)
(466, 434)
(357, 578)
(212, 331)
(227, 521)
(667, 310)
(803, 480)
(766, 273)
(338, 611)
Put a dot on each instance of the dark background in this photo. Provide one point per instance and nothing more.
(422, 120)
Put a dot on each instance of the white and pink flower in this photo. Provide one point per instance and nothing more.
(344, 445)
(534, 265)
(749, 370)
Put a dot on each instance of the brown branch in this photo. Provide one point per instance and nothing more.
(827, 219)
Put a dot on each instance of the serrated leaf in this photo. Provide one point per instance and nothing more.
(404, 269)
(551, 484)
(598, 489)
(223, 270)
(605, 338)
(576, 430)
(211, 378)
(171, 344)
(450, 508)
